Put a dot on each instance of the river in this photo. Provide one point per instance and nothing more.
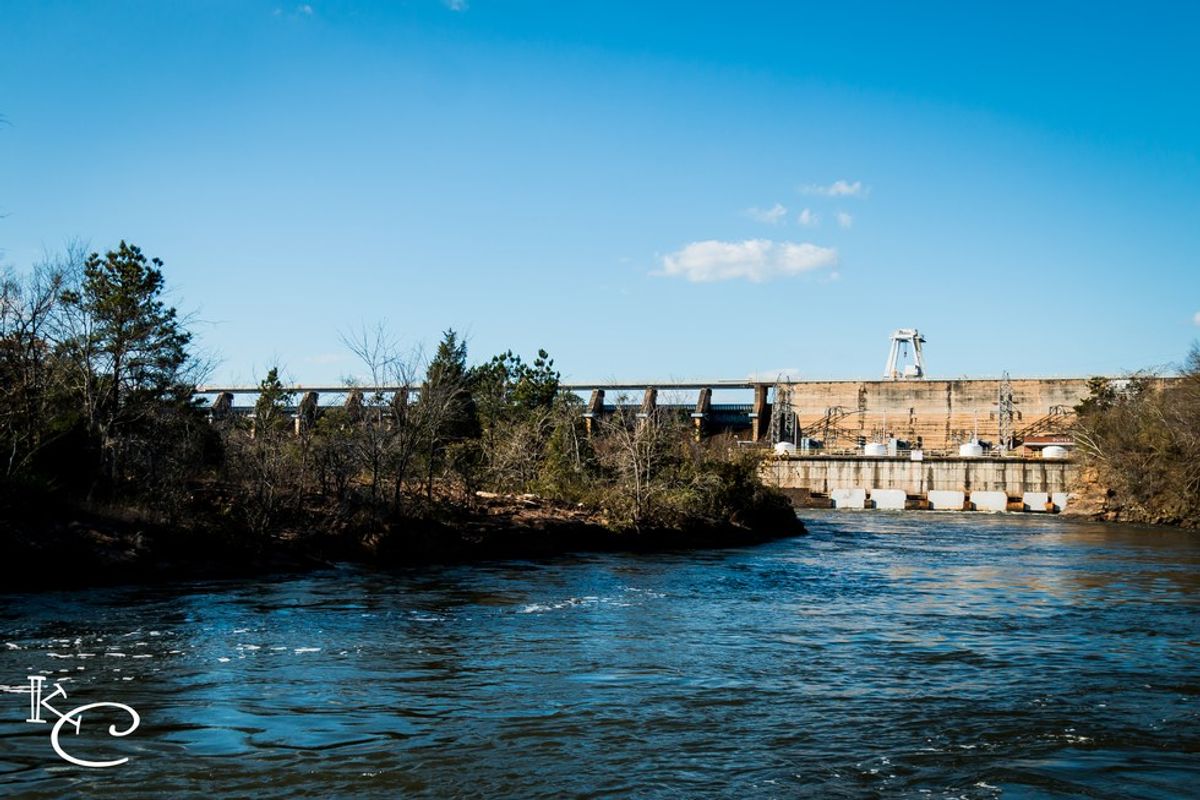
(883, 655)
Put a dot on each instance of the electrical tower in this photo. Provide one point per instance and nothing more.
(1004, 414)
(784, 427)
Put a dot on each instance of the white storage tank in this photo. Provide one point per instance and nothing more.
(875, 449)
(1054, 452)
(970, 450)
(784, 448)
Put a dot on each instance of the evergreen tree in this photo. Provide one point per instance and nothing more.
(447, 389)
(270, 410)
(128, 346)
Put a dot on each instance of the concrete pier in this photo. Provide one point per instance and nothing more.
(983, 484)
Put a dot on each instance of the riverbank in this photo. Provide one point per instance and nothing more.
(73, 546)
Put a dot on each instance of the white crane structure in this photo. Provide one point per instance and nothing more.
(902, 340)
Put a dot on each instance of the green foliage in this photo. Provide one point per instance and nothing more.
(135, 342)
(1101, 396)
(515, 403)
(1143, 443)
(128, 348)
(568, 467)
(270, 410)
(447, 388)
(507, 387)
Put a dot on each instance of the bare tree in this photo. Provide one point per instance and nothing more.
(28, 375)
(393, 433)
(639, 447)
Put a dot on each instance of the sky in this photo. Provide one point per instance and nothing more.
(649, 191)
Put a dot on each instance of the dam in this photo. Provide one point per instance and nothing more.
(900, 441)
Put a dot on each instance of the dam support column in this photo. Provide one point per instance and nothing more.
(649, 406)
(222, 407)
(594, 411)
(306, 414)
(354, 406)
(700, 415)
(399, 407)
(760, 413)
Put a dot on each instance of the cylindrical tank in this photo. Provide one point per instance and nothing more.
(970, 450)
(874, 449)
(1054, 452)
(784, 448)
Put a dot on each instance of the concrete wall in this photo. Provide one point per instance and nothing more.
(940, 413)
(1014, 476)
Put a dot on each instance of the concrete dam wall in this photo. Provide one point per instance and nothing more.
(1013, 476)
(933, 414)
(953, 484)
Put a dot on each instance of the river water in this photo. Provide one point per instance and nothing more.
(883, 655)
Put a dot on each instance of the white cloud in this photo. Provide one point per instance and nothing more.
(771, 216)
(304, 10)
(808, 219)
(844, 219)
(456, 5)
(1196, 319)
(837, 189)
(756, 260)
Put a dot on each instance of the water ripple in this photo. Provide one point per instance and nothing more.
(891, 655)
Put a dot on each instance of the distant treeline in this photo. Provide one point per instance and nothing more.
(1140, 442)
(97, 409)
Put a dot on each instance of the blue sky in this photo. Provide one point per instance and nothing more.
(666, 190)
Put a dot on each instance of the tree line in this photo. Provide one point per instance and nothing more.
(98, 408)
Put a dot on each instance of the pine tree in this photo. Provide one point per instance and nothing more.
(129, 346)
(270, 410)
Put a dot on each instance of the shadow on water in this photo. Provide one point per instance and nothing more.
(924, 655)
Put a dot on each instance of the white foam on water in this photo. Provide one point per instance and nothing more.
(223, 660)
(12, 646)
(307, 650)
(539, 608)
